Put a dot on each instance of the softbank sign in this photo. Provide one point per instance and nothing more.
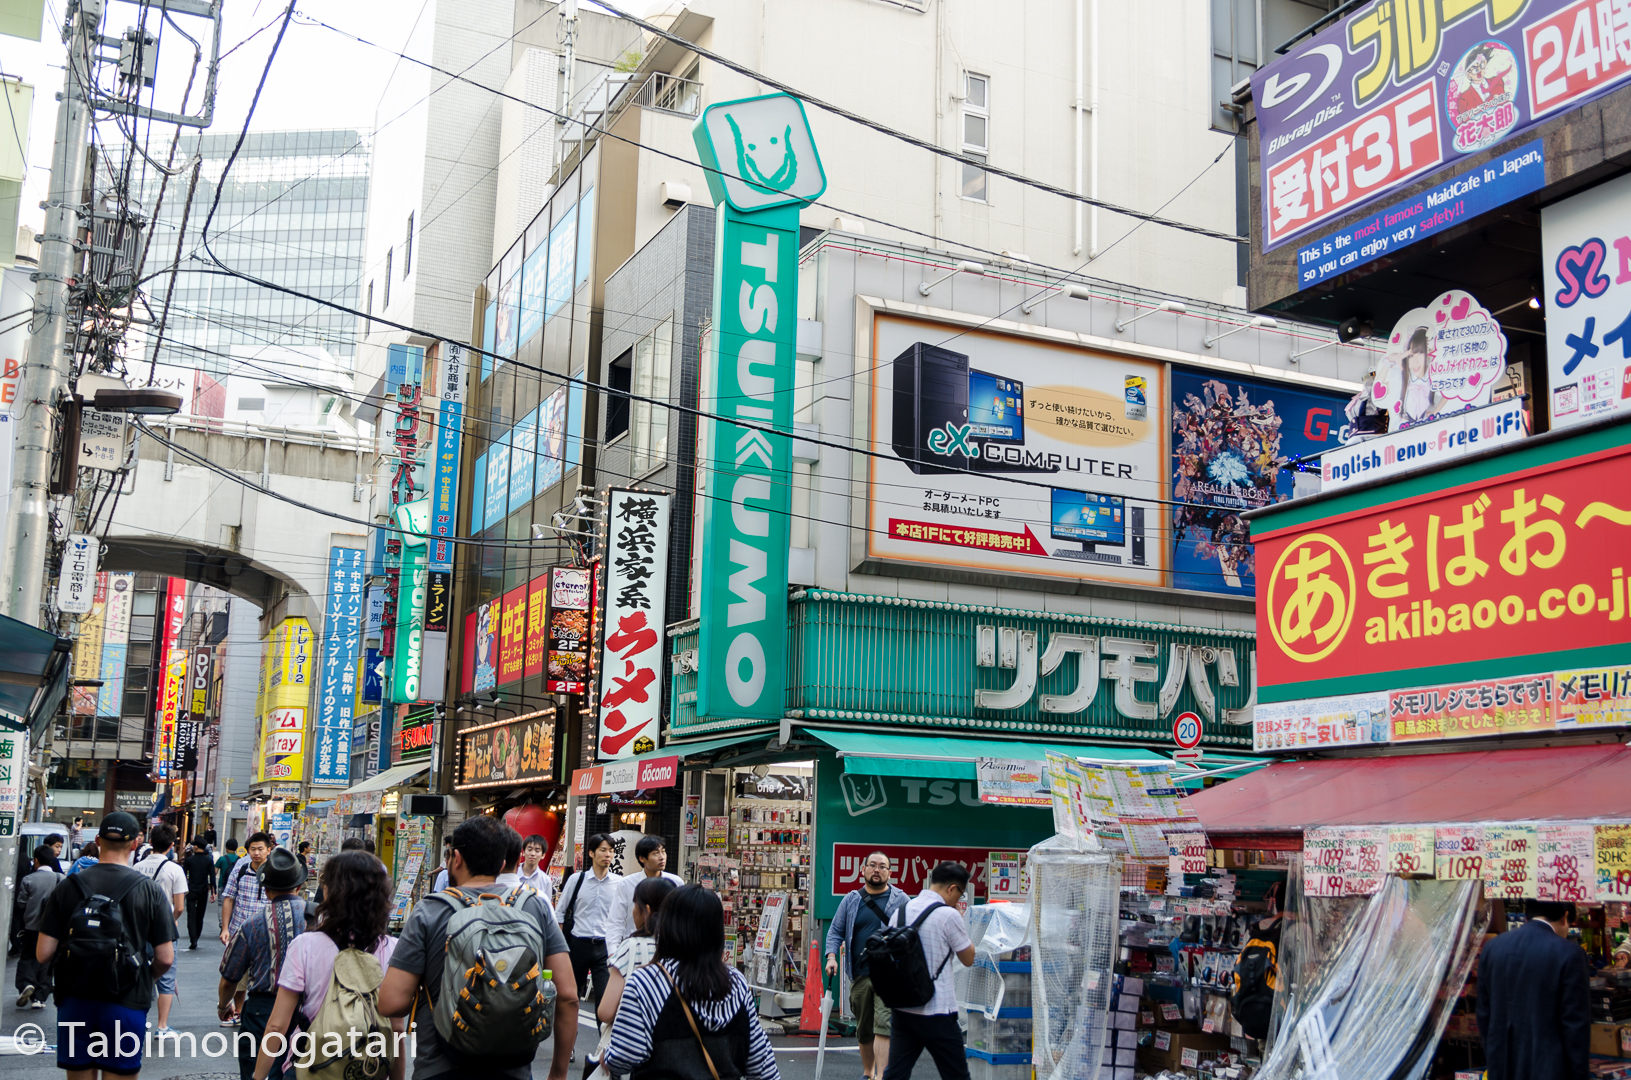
(627, 776)
(762, 167)
(1427, 444)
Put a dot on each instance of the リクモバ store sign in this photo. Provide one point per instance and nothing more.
(1483, 571)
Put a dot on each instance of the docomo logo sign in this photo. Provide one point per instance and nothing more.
(658, 773)
(1393, 142)
(627, 776)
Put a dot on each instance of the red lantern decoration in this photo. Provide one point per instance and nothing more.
(531, 820)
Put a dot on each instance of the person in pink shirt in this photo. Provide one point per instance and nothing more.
(356, 909)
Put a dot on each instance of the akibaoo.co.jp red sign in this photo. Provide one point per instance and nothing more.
(1477, 565)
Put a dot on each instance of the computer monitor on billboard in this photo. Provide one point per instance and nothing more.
(1089, 519)
(996, 407)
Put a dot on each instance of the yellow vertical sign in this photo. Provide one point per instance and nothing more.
(289, 667)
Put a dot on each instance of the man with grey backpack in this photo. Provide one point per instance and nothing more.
(490, 967)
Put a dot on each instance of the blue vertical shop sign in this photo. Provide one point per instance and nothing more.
(444, 498)
(337, 685)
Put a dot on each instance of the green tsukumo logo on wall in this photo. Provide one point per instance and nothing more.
(762, 169)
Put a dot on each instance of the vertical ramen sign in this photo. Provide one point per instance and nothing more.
(635, 609)
(762, 168)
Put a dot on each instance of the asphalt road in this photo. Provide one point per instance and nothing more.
(198, 976)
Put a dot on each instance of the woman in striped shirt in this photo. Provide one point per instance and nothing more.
(652, 1038)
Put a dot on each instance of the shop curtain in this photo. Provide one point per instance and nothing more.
(1368, 983)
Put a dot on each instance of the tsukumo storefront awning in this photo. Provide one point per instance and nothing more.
(940, 757)
(1271, 807)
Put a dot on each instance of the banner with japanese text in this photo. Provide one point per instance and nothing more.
(337, 687)
(634, 614)
(1486, 571)
(1397, 88)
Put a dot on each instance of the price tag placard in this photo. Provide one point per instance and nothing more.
(1564, 869)
(1458, 853)
(1509, 861)
(1613, 862)
(1410, 851)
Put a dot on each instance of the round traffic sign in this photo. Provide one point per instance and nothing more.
(1186, 731)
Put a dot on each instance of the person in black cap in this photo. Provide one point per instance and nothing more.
(103, 993)
(258, 949)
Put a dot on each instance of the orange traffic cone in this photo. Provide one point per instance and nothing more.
(811, 1015)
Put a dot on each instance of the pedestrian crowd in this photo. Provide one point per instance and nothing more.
(488, 965)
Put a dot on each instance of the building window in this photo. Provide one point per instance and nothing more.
(974, 119)
(389, 254)
(1236, 42)
(407, 250)
(649, 423)
(619, 377)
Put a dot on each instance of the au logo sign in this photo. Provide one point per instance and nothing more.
(759, 153)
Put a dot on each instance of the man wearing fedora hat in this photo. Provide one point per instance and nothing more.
(256, 953)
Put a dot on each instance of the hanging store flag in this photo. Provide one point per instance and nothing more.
(567, 639)
(634, 611)
(512, 635)
(337, 687)
(115, 643)
(537, 625)
(445, 483)
(76, 584)
(172, 674)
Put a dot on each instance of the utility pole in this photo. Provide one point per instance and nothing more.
(47, 364)
(569, 42)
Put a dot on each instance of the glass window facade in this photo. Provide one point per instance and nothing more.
(292, 212)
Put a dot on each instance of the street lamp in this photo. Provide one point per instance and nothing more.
(144, 401)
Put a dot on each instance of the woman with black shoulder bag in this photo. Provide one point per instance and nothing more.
(686, 1016)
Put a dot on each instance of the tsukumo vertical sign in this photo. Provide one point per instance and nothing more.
(631, 656)
(762, 167)
(413, 519)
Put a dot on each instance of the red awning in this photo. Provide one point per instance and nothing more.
(1271, 807)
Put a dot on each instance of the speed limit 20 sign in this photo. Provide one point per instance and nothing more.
(1186, 732)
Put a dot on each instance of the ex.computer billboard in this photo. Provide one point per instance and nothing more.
(1000, 453)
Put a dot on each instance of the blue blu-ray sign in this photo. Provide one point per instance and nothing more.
(1230, 438)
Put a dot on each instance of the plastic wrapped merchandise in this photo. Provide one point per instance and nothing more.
(1376, 1003)
(1075, 908)
(996, 930)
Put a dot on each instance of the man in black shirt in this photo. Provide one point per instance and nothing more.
(100, 1026)
(200, 875)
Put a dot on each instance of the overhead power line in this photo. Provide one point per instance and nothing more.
(1018, 178)
(922, 144)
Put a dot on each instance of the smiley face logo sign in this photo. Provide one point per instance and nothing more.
(759, 153)
(1311, 598)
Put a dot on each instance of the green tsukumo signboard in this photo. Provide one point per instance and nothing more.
(414, 521)
(762, 168)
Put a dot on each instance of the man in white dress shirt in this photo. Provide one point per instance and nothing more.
(652, 855)
(587, 911)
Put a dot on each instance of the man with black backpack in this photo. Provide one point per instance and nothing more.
(98, 926)
(476, 1024)
(929, 1020)
(858, 917)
